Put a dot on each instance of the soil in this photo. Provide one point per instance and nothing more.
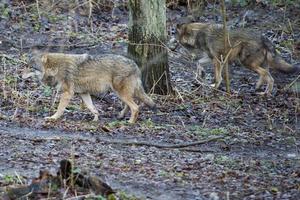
(255, 155)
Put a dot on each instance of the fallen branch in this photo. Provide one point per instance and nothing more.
(67, 46)
(292, 83)
(197, 150)
(152, 144)
(118, 141)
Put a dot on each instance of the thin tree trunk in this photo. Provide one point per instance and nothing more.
(147, 34)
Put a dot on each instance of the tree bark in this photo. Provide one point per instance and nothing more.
(147, 36)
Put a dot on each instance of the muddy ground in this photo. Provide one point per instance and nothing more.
(255, 155)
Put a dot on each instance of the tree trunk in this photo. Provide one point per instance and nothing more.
(147, 35)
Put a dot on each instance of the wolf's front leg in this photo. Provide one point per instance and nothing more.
(63, 103)
(218, 68)
(89, 104)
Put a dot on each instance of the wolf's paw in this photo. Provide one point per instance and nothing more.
(51, 118)
(96, 118)
(213, 85)
(120, 116)
(264, 93)
(131, 121)
(154, 108)
(261, 93)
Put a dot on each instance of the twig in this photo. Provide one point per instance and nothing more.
(38, 9)
(225, 64)
(197, 150)
(19, 178)
(156, 82)
(292, 83)
(90, 9)
(49, 190)
(180, 96)
(66, 192)
(26, 195)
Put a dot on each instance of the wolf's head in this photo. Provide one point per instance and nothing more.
(186, 34)
(33, 67)
(49, 70)
(40, 66)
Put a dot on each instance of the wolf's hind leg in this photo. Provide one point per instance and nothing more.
(265, 77)
(123, 112)
(89, 104)
(270, 84)
(259, 82)
(134, 108)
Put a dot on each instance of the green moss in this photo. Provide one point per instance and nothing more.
(125, 196)
(206, 132)
(117, 123)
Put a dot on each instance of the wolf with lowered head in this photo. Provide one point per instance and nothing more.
(85, 74)
(252, 50)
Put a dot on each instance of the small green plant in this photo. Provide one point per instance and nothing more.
(284, 2)
(8, 178)
(54, 187)
(11, 179)
(54, 18)
(114, 124)
(148, 123)
(239, 2)
(45, 109)
(4, 11)
(9, 79)
(124, 196)
(74, 107)
(37, 26)
(163, 173)
(47, 91)
(182, 107)
(226, 161)
(206, 132)
(288, 44)
(98, 197)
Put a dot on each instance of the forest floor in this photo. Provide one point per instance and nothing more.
(254, 153)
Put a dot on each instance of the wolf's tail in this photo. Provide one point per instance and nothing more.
(141, 95)
(275, 61)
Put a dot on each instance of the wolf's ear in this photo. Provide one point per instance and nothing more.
(35, 51)
(44, 58)
(178, 26)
